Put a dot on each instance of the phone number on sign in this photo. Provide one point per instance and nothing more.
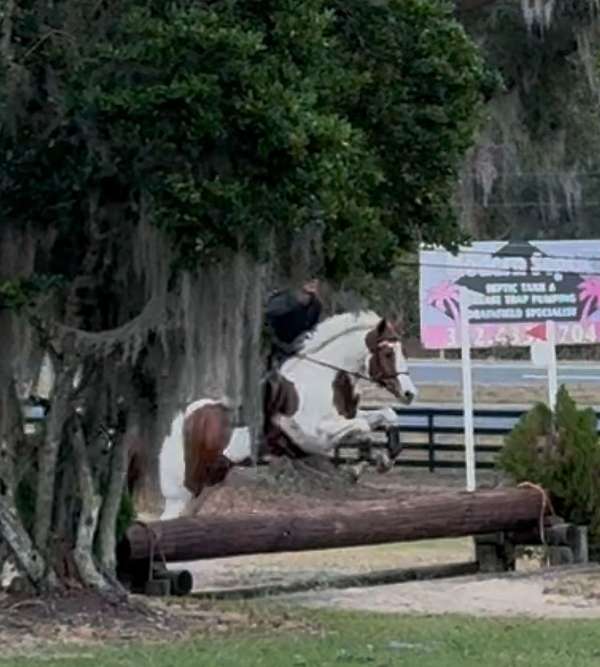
(515, 335)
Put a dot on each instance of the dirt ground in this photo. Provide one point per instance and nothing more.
(78, 620)
(553, 593)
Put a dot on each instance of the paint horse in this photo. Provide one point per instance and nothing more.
(311, 405)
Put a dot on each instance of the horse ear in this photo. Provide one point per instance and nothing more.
(372, 339)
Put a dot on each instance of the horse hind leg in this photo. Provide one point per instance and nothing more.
(239, 448)
(176, 507)
(195, 504)
(307, 443)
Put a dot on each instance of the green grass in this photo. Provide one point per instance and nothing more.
(349, 639)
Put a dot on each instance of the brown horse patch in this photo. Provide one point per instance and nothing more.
(345, 398)
(381, 343)
(280, 398)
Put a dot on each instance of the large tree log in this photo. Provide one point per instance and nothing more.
(333, 526)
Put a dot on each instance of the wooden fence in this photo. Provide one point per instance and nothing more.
(433, 437)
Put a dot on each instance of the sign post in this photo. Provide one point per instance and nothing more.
(543, 355)
(552, 366)
(467, 383)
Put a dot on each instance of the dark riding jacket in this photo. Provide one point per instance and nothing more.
(288, 319)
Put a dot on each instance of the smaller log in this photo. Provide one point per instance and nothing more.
(182, 582)
(558, 536)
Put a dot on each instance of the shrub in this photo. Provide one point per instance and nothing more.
(560, 451)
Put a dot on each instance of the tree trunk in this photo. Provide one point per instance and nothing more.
(17, 255)
(223, 317)
(88, 518)
(6, 29)
(212, 351)
(11, 433)
(106, 538)
(29, 560)
(355, 523)
(57, 417)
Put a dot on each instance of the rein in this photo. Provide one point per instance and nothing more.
(356, 374)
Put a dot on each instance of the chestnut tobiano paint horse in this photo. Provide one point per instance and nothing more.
(311, 405)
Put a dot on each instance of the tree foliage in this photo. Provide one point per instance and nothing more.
(534, 171)
(241, 120)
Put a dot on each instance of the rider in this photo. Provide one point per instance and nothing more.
(290, 315)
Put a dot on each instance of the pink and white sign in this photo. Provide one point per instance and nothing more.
(515, 288)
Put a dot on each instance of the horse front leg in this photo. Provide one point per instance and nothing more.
(330, 432)
(383, 418)
(337, 430)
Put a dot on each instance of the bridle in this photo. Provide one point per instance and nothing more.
(380, 382)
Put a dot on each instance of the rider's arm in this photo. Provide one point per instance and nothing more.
(313, 313)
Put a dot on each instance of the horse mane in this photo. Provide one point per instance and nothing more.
(333, 327)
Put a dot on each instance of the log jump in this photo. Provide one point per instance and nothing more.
(497, 518)
(431, 516)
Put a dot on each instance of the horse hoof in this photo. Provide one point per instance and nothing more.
(383, 463)
(357, 470)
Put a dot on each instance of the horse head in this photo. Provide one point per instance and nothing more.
(386, 362)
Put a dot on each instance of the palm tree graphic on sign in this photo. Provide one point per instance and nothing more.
(445, 297)
(589, 294)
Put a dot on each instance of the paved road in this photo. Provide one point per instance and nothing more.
(480, 421)
(502, 373)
